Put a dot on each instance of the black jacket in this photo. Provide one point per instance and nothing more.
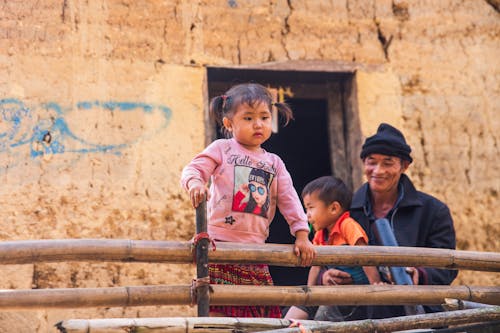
(419, 220)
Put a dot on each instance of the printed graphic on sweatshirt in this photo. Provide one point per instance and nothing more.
(251, 190)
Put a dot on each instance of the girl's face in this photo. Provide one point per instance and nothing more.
(250, 126)
(258, 192)
(383, 172)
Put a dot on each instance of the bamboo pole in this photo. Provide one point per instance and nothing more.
(350, 295)
(95, 297)
(245, 295)
(33, 251)
(171, 325)
(451, 304)
(201, 290)
(401, 323)
(229, 325)
(125, 250)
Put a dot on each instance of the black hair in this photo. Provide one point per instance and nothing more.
(330, 189)
(246, 93)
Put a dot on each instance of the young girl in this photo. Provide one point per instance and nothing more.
(247, 184)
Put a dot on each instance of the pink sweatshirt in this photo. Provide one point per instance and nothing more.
(245, 189)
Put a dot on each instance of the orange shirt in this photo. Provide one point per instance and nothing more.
(346, 231)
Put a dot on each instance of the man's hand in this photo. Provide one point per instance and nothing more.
(334, 277)
(413, 273)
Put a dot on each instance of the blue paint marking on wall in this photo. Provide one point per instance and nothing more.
(52, 135)
(12, 112)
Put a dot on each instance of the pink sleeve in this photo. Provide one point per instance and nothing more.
(202, 166)
(289, 202)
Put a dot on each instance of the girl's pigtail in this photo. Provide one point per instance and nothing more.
(285, 112)
(216, 111)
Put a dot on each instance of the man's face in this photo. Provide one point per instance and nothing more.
(383, 172)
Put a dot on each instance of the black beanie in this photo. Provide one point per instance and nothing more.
(387, 141)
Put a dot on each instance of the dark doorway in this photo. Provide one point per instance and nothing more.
(305, 145)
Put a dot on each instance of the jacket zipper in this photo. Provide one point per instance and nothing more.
(392, 220)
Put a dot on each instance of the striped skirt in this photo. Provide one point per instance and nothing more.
(257, 275)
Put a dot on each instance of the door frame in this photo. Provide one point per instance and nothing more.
(334, 83)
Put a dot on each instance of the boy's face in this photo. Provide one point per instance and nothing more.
(319, 214)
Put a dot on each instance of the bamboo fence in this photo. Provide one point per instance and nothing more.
(125, 250)
(243, 325)
(34, 251)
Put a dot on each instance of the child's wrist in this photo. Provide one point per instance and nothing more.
(192, 181)
(301, 234)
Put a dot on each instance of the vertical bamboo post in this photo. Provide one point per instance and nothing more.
(202, 260)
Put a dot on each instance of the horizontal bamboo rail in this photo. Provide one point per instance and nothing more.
(400, 323)
(245, 295)
(124, 250)
(171, 325)
(229, 325)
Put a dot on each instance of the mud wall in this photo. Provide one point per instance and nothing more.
(103, 102)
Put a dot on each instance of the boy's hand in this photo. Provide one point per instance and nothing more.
(304, 248)
(197, 192)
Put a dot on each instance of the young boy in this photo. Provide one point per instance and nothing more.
(327, 200)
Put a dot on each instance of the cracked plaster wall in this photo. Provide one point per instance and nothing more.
(429, 67)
